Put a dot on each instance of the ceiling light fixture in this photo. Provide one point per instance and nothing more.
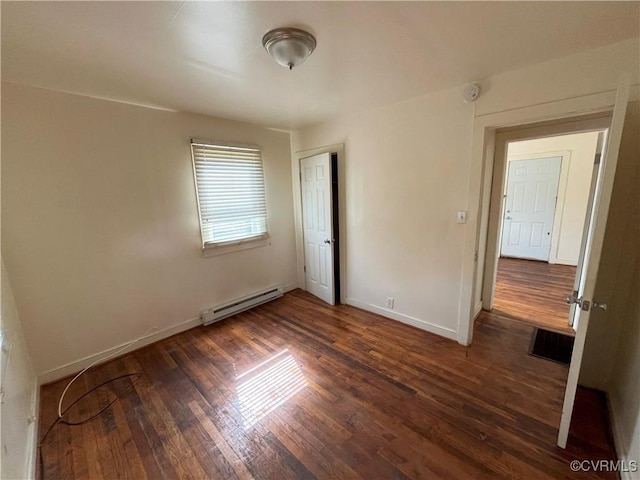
(288, 46)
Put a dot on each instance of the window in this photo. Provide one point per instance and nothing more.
(230, 193)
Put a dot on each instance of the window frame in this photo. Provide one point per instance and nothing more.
(218, 248)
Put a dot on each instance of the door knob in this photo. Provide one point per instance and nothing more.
(579, 301)
(507, 217)
(328, 241)
(601, 306)
(585, 305)
(573, 299)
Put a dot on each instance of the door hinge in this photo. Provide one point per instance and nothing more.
(475, 257)
(300, 175)
(305, 269)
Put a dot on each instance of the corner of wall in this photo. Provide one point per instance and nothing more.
(620, 442)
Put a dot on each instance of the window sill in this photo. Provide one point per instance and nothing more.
(215, 250)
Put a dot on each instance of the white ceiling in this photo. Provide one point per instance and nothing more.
(207, 57)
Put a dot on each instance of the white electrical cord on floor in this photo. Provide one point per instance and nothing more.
(111, 355)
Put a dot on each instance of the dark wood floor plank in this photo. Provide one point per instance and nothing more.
(235, 461)
(297, 440)
(373, 398)
(534, 292)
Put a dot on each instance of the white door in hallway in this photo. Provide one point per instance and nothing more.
(582, 299)
(530, 206)
(317, 218)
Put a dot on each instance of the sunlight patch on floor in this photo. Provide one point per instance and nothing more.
(267, 386)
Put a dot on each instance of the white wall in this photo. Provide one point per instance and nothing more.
(100, 222)
(624, 389)
(17, 436)
(406, 176)
(574, 76)
(408, 169)
(578, 151)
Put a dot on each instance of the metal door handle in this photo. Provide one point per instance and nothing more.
(585, 305)
(573, 299)
(328, 241)
(507, 218)
(579, 301)
(602, 306)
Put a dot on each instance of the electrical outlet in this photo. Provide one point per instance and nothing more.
(390, 302)
(462, 217)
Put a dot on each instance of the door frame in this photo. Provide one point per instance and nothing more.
(297, 212)
(601, 121)
(483, 145)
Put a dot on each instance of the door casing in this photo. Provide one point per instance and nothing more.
(483, 146)
(496, 205)
(318, 226)
(481, 173)
(340, 258)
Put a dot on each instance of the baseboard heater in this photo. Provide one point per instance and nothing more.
(220, 312)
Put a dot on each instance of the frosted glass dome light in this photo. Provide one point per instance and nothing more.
(289, 47)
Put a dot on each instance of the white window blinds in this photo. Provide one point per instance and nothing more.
(230, 191)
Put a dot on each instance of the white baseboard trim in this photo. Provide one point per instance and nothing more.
(77, 365)
(477, 309)
(415, 322)
(563, 261)
(620, 443)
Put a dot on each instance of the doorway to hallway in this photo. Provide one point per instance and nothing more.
(545, 203)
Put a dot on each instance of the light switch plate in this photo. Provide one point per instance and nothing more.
(462, 217)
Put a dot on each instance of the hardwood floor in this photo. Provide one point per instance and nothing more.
(296, 389)
(534, 292)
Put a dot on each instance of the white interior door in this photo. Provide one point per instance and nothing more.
(530, 206)
(317, 221)
(580, 278)
(592, 249)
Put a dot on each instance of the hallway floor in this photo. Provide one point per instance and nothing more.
(533, 292)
